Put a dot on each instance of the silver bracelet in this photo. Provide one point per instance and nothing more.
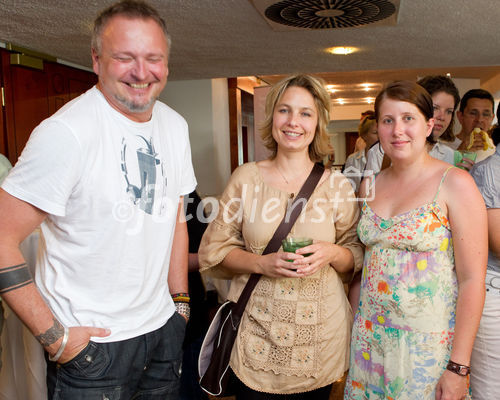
(183, 309)
(64, 342)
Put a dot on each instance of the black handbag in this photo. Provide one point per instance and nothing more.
(213, 362)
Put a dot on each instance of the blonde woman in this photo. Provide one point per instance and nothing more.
(294, 336)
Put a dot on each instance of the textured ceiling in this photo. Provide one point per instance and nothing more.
(228, 38)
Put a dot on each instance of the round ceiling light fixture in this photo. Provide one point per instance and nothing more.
(342, 50)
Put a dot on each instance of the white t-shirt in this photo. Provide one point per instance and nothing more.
(111, 188)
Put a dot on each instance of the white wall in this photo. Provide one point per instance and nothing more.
(204, 105)
(221, 134)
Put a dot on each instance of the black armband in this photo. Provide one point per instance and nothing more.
(15, 277)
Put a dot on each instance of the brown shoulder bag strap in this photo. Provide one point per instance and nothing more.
(280, 233)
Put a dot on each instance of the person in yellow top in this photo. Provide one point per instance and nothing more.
(294, 335)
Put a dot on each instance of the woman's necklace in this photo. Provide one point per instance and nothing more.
(281, 173)
(292, 195)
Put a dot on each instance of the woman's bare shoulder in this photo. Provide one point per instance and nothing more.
(458, 179)
(459, 188)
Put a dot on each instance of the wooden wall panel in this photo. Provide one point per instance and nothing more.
(8, 109)
(350, 142)
(57, 90)
(32, 95)
(30, 103)
(3, 132)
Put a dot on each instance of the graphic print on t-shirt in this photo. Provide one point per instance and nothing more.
(143, 172)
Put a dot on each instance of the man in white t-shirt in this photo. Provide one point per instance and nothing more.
(104, 177)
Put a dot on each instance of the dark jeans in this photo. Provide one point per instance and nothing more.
(146, 367)
(243, 392)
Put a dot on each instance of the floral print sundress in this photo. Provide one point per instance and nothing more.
(403, 329)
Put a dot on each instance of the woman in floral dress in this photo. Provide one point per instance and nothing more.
(421, 292)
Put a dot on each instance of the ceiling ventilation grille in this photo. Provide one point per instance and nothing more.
(327, 14)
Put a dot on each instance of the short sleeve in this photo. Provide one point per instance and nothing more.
(487, 179)
(223, 234)
(48, 168)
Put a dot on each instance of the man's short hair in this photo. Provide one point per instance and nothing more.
(476, 94)
(129, 9)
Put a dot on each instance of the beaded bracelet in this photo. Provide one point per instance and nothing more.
(64, 342)
(181, 298)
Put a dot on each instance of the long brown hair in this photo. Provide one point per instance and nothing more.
(440, 83)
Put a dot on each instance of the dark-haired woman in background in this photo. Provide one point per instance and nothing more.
(445, 99)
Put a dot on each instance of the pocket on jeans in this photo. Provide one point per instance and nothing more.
(91, 362)
(181, 318)
(177, 368)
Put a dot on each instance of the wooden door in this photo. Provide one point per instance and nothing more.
(3, 133)
(350, 142)
(26, 104)
(32, 95)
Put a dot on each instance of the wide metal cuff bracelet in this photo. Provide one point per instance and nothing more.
(183, 309)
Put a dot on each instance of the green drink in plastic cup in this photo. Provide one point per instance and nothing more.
(290, 244)
(460, 155)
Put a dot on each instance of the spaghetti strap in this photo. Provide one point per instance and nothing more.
(441, 183)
